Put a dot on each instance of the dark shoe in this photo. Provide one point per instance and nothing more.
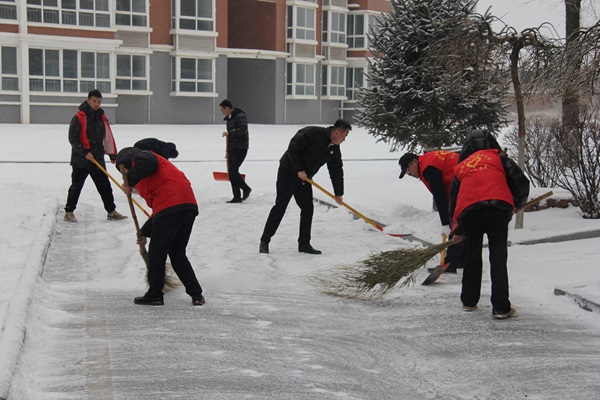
(198, 300)
(235, 200)
(470, 308)
(149, 301)
(307, 248)
(246, 194)
(263, 247)
(504, 315)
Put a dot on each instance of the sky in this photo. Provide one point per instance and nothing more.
(266, 330)
(522, 14)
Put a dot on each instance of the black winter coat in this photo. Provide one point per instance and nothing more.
(95, 134)
(309, 150)
(237, 127)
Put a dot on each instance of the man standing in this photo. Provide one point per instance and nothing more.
(237, 148)
(436, 170)
(91, 137)
(487, 188)
(174, 208)
(308, 151)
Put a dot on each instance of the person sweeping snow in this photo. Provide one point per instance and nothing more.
(174, 208)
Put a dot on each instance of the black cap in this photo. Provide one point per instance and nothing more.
(125, 157)
(404, 161)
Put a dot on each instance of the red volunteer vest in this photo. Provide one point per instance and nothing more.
(482, 177)
(167, 187)
(443, 160)
(110, 146)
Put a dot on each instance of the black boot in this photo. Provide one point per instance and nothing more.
(307, 248)
(264, 247)
(198, 300)
(235, 200)
(246, 194)
(149, 301)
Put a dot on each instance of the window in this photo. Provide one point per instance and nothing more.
(334, 83)
(8, 9)
(300, 79)
(192, 75)
(334, 27)
(359, 27)
(131, 13)
(93, 13)
(68, 71)
(8, 68)
(355, 79)
(301, 23)
(196, 15)
(131, 72)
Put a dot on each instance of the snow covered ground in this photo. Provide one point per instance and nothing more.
(265, 331)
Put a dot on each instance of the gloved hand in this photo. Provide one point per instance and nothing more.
(445, 230)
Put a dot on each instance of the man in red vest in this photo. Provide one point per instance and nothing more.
(436, 170)
(486, 190)
(174, 208)
(91, 137)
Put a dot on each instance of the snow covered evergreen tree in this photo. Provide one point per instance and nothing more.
(434, 77)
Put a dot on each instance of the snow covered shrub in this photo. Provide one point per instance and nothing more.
(565, 159)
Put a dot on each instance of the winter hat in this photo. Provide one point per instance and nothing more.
(404, 161)
(171, 150)
(125, 157)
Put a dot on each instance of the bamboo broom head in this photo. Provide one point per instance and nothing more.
(377, 275)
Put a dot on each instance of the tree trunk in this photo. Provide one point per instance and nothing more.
(570, 100)
(517, 45)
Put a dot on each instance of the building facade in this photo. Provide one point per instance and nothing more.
(173, 61)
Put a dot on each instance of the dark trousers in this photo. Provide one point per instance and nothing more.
(78, 177)
(235, 158)
(454, 255)
(170, 236)
(289, 185)
(494, 223)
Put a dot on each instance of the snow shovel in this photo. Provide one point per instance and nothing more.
(224, 176)
(120, 187)
(169, 282)
(440, 269)
(369, 221)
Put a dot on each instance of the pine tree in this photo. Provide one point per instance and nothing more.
(434, 76)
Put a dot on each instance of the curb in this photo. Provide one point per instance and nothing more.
(586, 304)
(13, 336)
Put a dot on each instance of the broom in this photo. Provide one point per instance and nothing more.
(377, 275)
(170, 281)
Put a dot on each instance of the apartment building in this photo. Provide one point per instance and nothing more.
(173, 61)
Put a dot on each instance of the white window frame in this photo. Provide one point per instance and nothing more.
(6, 76)
(299, 84)
(132, 78)
(131, 13)
(8, 10)
(329, 88)
(178, 18)
(100, 77)
(332, 31)
(78, 12)
(177, 80)
(297, 30)
(352, 87)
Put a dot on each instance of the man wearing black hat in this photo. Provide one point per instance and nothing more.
(436, 170)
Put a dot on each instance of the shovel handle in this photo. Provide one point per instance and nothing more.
(443, 253)
(119, 185)
(376, 225)
(535, 200)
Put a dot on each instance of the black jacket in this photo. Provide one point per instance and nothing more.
(95, 135)
(309, 150)
(237, 127)
(435, 181)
